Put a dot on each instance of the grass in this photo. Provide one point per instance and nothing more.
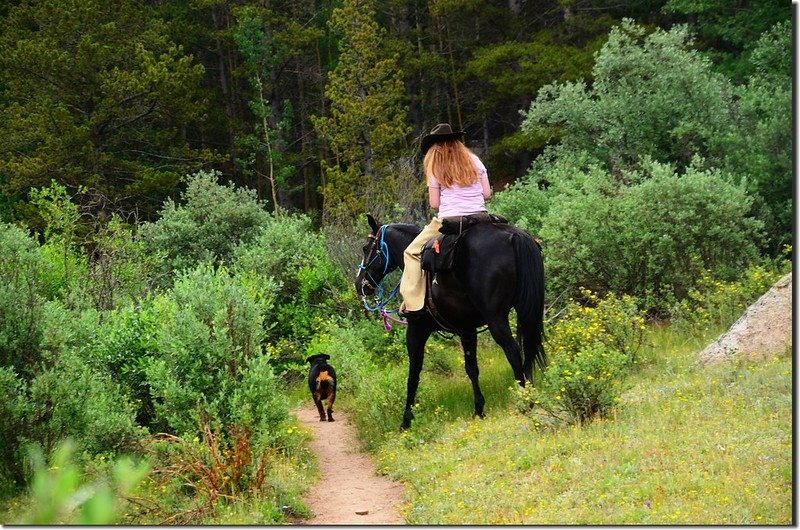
(686, 445)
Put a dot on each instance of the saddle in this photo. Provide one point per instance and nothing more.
(438, 253)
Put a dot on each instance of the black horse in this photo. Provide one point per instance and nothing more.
(495, 267)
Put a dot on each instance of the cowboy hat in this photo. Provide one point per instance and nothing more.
(442, 132)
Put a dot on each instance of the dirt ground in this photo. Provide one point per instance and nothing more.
(349, 491)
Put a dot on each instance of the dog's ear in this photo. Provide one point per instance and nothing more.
(318, 357)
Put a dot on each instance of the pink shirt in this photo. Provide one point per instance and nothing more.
(462, 200)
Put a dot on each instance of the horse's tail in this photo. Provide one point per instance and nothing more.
(530, 302)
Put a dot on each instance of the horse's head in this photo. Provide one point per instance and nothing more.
(376, 262)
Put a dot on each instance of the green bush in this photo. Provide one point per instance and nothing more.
(590, 349)
(73, 400)
(715, 304)
(121, 270)
(763, 148)
(652, 240)
(652, 95)
(210, 354)
(22, 306)
(289, 252)
(125, 345)
(209, 223)
(13, 409)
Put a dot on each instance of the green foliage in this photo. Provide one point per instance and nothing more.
(761, 148)
(22, 307)
(61, 493)
(125, 345)
(366, 124)
(121, 270)
(576, 389)
(521, 203)
(726, 31)
(590, 350)
(117, 268)
(291, 254)
(96, 93)
(652, 239)
(654, 97)
(72, 399)
(651, 96)
(210, 365)
(212, 220)
(714, 304)
(13, 408)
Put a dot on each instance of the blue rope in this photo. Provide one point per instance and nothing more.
(383, 251)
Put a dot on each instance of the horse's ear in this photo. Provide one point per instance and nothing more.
(373, 223)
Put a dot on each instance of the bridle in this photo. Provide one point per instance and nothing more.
(378, 250)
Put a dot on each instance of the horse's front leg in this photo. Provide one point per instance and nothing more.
(416, 336)
(469, 342)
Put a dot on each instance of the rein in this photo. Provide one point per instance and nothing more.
(380, 304)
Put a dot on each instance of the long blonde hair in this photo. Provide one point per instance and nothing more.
(451, 163)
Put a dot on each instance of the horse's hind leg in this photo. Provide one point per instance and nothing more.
(469, 341)
(501, 333)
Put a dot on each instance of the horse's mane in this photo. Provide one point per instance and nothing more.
(406, 227)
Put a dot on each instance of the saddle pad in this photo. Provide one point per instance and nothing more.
(437, 254)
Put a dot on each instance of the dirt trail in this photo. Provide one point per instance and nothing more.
(349, 492)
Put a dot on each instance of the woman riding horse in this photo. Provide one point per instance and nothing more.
(496, 267)
(457, 185)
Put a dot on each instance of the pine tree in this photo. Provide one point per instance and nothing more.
(366, 126)
(95, 93)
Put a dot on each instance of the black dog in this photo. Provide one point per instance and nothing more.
(322, 382)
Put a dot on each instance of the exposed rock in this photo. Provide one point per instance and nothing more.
(764, 330)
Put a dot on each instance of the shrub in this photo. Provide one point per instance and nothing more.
(574, 389)
(61, 493)
(210, 355)
(289, 252)
(209, 223)
(73, 400)
(13, 408)
(120, 269)
(651, 240)
(590, 349)
(22, 306)
(652, 95)
(63, 231)
(125, 345)
(716, 304)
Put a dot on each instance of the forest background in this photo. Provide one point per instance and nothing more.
(183, 195)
